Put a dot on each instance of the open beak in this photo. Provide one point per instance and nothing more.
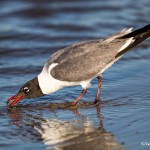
(14, 100)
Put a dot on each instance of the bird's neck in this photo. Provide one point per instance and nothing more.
(47, 83)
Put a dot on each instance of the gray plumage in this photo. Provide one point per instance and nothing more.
(83, 61)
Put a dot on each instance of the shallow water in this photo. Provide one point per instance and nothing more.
(30, 31)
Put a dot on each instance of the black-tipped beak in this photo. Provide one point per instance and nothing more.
(12, 101)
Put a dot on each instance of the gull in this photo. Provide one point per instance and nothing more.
(79, 64)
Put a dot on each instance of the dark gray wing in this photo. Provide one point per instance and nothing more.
(83, 61)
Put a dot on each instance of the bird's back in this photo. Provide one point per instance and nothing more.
(83, 61)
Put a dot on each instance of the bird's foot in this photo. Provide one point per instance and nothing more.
(97, 101)
(73, 104)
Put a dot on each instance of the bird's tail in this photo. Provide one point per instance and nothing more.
(138, 35)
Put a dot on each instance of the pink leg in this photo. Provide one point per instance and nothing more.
(78, 98)
(97, 99)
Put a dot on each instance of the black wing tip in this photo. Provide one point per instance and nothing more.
(137, 32)
(139, 35)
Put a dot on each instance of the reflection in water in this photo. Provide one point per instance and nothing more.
(76, 134)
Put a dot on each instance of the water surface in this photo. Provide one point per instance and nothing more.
(30, 31)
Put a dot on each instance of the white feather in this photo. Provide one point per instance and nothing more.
(129, 30)
(117, 35)
(126, 44)
(124, 30)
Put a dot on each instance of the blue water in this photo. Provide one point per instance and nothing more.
(30, 31)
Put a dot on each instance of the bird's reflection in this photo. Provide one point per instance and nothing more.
(69, 135)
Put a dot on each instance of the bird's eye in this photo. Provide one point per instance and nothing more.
(26, 89)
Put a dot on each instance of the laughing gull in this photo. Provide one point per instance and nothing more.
(80, 63)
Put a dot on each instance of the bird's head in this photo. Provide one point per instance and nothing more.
(31, 89)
